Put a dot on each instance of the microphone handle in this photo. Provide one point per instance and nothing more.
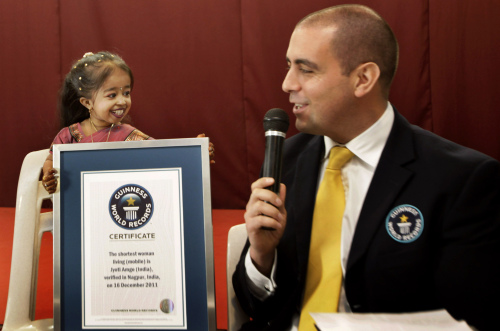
(273, 160)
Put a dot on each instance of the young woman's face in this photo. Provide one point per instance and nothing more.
(112, 102)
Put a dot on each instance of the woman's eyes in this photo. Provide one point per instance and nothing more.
(113, 95)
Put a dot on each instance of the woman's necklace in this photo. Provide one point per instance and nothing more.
(93, 125)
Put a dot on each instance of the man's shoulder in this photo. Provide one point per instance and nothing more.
(429, 144)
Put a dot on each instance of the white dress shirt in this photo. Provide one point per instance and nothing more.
(357, 175)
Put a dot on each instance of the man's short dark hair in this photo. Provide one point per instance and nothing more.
(361, 36)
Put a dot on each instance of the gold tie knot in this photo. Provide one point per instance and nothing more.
(338, 157)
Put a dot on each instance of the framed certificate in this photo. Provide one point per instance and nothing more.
(133, 243)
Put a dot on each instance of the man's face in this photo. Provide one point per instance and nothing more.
(321, 95)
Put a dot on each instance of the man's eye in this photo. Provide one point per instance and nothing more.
(306, 71)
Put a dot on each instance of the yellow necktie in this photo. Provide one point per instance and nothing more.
(324, 270)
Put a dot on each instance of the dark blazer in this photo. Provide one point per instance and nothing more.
(452, 263)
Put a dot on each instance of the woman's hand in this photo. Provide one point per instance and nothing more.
(211, 149)
(49, 181)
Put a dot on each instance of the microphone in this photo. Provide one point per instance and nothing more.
(276, 124)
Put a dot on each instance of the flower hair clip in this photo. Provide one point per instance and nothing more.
(87, 54)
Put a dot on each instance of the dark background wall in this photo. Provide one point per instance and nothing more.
(216, 66)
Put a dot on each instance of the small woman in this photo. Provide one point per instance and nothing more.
(94, 100)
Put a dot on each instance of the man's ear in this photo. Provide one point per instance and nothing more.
(87, 103)
(366, 76)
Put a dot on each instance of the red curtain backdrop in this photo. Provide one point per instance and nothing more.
(216, 67)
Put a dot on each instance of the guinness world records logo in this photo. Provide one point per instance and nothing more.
(405, 223)
(131, 206)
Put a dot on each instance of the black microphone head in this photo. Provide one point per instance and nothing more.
(276, 119)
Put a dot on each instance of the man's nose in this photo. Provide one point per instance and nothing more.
(290, 82)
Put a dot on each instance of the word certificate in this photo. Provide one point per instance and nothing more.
(132, 249)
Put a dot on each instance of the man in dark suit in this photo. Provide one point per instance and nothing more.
(420, 229)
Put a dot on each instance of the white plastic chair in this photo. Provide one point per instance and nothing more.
(30, 224)
(236, 240)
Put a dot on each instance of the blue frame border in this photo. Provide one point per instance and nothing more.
(189, 154)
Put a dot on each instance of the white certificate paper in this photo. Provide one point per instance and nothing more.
(132, 250)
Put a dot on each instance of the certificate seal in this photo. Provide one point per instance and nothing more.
(167, 306)
(131, 206)
(405, 223)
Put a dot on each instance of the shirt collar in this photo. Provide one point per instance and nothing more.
(368, 145)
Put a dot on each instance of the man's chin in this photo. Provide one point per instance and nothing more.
(300, 125)
(304, 127)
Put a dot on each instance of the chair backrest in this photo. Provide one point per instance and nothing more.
(30, 224)
(236, 239)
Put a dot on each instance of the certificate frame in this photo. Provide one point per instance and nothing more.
(191, 156)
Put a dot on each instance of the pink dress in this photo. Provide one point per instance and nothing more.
(74, 134)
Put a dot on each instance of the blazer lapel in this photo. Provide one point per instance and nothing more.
(304, 196)
(388, 180)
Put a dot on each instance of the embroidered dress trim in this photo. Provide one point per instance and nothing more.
(136, 135)
(73, 130)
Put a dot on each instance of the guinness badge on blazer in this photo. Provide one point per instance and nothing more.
(404, 223)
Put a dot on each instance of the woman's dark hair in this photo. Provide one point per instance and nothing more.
(84, 79)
